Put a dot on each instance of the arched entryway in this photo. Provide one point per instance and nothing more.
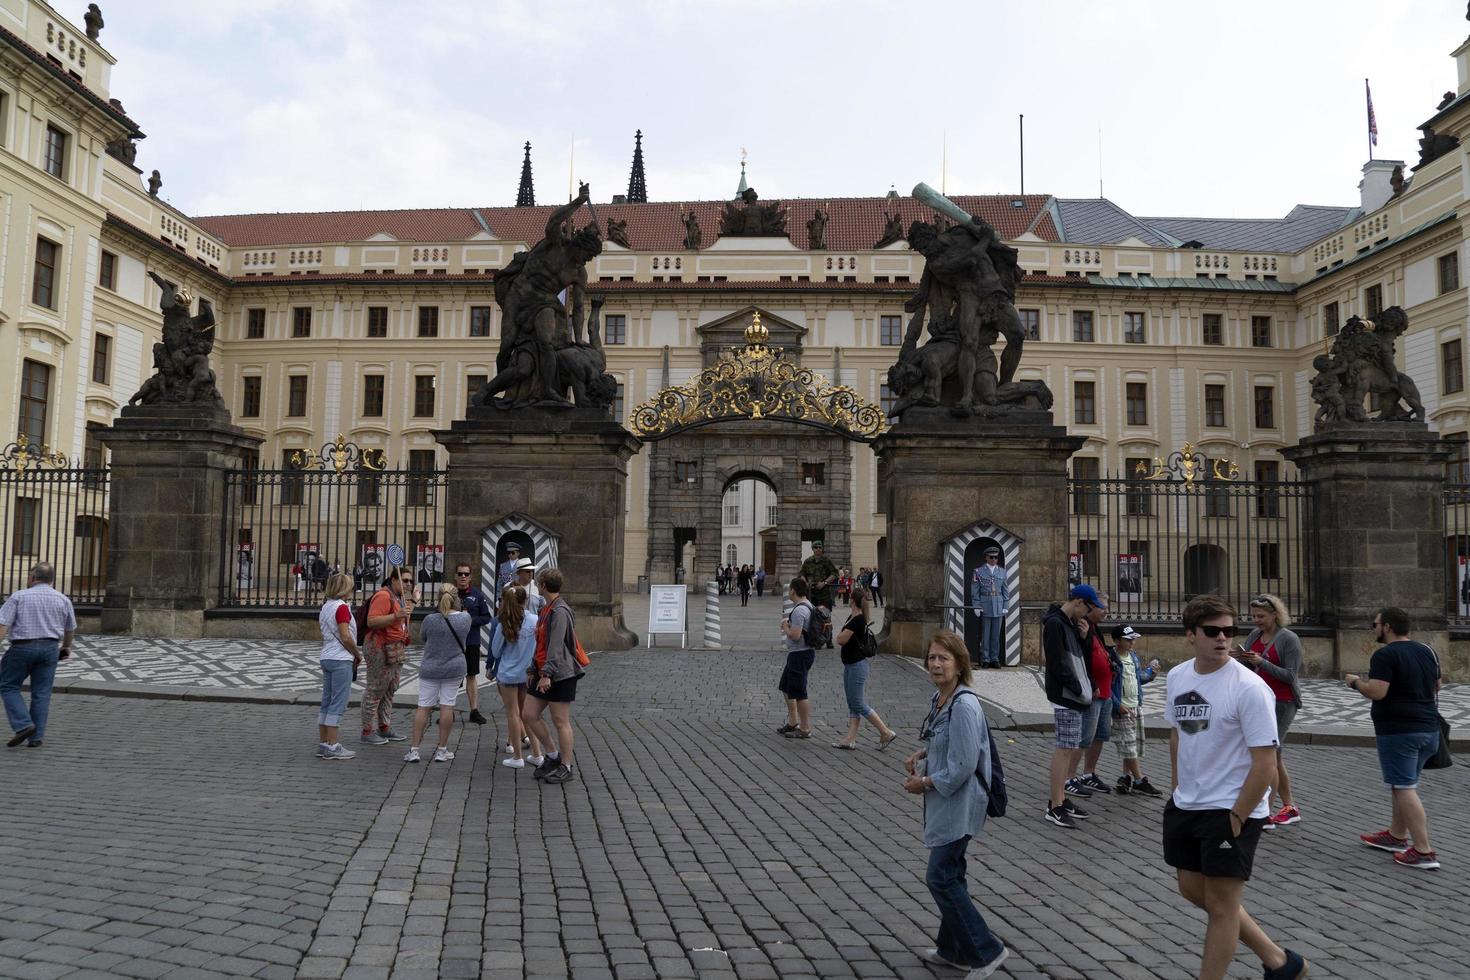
(750, 518)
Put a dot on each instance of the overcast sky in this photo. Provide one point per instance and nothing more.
(1240, 109)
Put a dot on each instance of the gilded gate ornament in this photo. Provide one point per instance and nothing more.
(20, 456)
(758, 382)
(339, 456)
(1188, 464)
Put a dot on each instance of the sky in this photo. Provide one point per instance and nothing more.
(1208, 109)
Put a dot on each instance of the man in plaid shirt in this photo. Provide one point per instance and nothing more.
(39, 621)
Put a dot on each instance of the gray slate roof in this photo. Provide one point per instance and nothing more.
(1099, 221)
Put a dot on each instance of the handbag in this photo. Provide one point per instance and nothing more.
(1441, 758)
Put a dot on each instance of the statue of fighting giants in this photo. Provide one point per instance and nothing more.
(182, 375)
(1360, 363)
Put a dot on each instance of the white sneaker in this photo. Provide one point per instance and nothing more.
(323, 750)
(536, 760)
(413, 755)
(931, 955)
(981, 972)
(338, 752)
(513, 763)
(441, 755)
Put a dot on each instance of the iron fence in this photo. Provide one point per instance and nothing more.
(286, 530)
(1457, 552)
(1154, 544)
(55, 514)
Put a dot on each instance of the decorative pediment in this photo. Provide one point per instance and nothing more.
(729, 331)
(381, 236)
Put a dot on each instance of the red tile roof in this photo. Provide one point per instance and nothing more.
(855, 223)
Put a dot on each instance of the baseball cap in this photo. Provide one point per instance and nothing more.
(1126, 632)
(1088, 595)
(525, 565)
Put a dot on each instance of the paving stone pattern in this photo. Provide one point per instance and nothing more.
(196, 840)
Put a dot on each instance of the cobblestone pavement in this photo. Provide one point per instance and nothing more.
(197, 840)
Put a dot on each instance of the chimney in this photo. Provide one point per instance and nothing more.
(1374, 186)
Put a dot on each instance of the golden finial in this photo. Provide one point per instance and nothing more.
(756, 333)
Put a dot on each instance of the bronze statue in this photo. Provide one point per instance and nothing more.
(892, 230)
(1360, 363)
(181, 362)
(536, 324)
(1396, 180)
(154, 183)
(751, 219)
(93, 19)
(123, 148)
(1434, 145)
(692, 237)
(617, 232)
(816, 231)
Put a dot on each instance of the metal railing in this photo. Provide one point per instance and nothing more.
(1152, 545)
(56, 515)
(1457, 553)
(285, 531)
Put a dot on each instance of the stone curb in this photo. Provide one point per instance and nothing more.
(222, 695)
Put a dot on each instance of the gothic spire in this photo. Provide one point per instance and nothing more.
(637, 187)
(743, 185)
(526, 195)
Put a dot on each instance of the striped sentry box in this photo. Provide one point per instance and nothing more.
(956, 588)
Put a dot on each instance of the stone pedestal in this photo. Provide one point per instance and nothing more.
(937, 475)
(1379, 530)
(166, 517)
(567, 470)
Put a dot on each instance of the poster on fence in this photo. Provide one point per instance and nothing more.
(1464, 584)
(1074, 569)
(429, 560)
(308, 564)
(1130, 578)
(373, 562)
(245, 565)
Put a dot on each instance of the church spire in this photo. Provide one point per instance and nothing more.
(526, 195)
(743, 185)
(637, 186)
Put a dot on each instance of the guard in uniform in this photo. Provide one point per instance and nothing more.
(506, 574)
(989, 596)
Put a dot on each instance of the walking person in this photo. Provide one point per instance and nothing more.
(858, 647)
(1403, 683)
(1223, 749)
(1069, 689)
(745, 577)
(1275, 654)
(445, 636)
(389, 612)
(760, 582)
(472, 602)
(877, 587)
(339, 659)
(799, 660)
(40, 623)
(989, 594)
(556, 673)
(512, 648)
(947, 772)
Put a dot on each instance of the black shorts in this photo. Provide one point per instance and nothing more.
(560, 692)
(1199, 840)
(793, 678)
(472, 661)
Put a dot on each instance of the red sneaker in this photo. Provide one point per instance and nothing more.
(1385, 841)
(1423, 860)
(1285, 817)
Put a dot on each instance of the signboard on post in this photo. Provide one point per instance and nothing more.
(667, 612)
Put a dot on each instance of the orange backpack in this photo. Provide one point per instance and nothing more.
(575, 646)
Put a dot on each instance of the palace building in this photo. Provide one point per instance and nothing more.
(1151, 332)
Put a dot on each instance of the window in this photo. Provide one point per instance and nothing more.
(890, 331)
(1135, 396)
(43, 283)
(101, 358)
(1270, 553)
(55, 162)
(773, 515)
(287, 540)
(107, 272)
(1331, 320)
(372, 396)
(1142, 550)
(4, 116)
(27, 522)
(618, 407)
(1082, 326)
(423, 395)
(615, 329)
(94, 454)
(377, 325)
(301, 321)
(1452, 360)
(1265, 407)
(813, 474)
(686, 471)
(428, 321)
(250, 397)
(1260, 331)
(421, 488)
(35, 396)
(1449, 272)
(1215, 406)
(1133, 328)
(732, 555)
(296, 396)
(886, 400)
(255, 323)
(369, 490)
(1137, 501)
(293, 482)
(732, 513)
(474, 382)
(1091, 556)
(250, 477)
(1268, 498)
(1217, 497)
(1084, 403)
(1087, 499)
(1031, 323)
(1372, 301)
(1214, 329)
(479, 320)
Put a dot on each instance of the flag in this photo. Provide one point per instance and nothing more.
(1372, 120)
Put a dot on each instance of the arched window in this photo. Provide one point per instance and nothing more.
(731, 554)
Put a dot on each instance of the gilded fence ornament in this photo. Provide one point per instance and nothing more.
(340, 456)
(757, 381)
(21, 456)
(1187, 464)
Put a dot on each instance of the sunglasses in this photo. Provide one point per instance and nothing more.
(1214, 631)
(461, 574)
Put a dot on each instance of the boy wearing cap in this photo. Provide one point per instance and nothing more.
(1128, 705)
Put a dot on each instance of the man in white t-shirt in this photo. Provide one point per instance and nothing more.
(1223, 748)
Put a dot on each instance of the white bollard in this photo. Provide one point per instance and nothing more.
(712, 616)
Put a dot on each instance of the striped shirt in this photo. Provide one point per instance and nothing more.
(37, 613)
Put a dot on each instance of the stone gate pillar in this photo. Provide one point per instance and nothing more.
(938, 474)
(568, 469)
(1378, 531)
(166, 519)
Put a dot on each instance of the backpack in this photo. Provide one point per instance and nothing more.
(995, 787)
(867, 642)
(818, 627)
(579, 653)
(360, 616)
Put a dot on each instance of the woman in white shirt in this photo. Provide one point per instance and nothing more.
(339, 658)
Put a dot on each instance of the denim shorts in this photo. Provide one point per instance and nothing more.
(1402, 757)
(1103, 731)
(1076, 728)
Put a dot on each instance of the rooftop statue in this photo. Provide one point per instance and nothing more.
(154, 183)
(1360, 363)
(751, 219)
(617, 232)
(892, 230)
(93, 20)
(816, 231)
(182, 375)
(692, 236)
(1434, 145)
